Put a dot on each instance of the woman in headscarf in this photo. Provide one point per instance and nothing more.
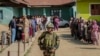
(85, 34)
(56, 22)
(94, 33)
(89, 26)
(72, 24)
(81, 29)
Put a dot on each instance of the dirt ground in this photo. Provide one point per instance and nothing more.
(68, 46)
(3, 28)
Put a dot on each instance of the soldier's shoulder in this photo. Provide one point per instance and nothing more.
(54, 33)
(44, 32)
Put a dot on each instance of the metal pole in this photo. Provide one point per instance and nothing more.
(1, 43)
(8, 40)
(8, 53)
(24, 45)
(18, 48)
(24, 40)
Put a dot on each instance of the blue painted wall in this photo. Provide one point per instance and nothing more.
(7, 14)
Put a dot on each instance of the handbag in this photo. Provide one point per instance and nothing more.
(20, 28)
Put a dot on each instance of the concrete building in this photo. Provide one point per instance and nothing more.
(88, 9)
(9, 8)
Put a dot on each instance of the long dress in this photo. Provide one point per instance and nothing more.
(94, 34)
(56, 23)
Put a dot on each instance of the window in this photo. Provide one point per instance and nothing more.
(56, 12)
(1, 15)
(95, 9)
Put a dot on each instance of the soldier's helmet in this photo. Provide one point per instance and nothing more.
(50, 25)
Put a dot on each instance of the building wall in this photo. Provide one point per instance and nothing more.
(7, 14)
(66, 13)
(16, 12)
(28, 11)
(36, 11)
(74, 11)
(83, 10)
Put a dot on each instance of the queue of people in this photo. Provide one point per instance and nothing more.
(25, 27)
(85, 30)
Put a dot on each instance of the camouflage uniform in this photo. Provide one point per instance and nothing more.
(48, 41)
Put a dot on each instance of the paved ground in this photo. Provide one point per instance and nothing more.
(13, 48)
(3, 28)
(68, 46)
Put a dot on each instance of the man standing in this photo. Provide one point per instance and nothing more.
(44, 21)
(51, 41)
(12, 27)
(34, 25)
(72, 24)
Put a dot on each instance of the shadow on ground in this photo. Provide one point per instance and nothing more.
(62, 27)
(68, 37)
(90, 48)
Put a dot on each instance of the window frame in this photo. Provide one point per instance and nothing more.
(90, 9)
(55, 10)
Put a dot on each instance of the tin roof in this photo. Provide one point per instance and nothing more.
(45, 2)
(19, 1)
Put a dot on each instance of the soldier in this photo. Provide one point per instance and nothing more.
(50, 41)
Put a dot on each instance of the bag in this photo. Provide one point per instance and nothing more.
(20, 28)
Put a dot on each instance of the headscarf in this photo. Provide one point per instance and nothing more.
(94, 22)
(95, 26)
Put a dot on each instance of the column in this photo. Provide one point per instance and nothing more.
(44, 11)
(24, 11)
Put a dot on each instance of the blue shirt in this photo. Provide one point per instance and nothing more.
(34, 23)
